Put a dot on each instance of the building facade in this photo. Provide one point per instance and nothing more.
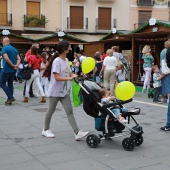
(142, 10)
(92, 19)
(88, 20)
(31, 18)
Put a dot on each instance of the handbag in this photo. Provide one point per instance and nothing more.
(26, 73)
(165, 68)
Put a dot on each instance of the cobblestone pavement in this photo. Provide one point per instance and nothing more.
(23, 148)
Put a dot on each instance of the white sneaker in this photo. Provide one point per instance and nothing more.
(81, 134)
(48, 134)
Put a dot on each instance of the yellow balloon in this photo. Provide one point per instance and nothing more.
(125, 90)
(88, 65)
(70, 63)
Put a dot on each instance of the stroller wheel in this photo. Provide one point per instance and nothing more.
(128, 144)
(138, 140)
(92, 141)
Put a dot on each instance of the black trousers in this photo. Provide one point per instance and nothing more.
(31, 88)
(156, 94)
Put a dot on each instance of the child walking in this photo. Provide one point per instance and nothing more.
(121, 73)
(157, 84)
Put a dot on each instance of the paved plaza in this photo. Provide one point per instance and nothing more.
(23, 148)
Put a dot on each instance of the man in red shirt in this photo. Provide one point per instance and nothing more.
(31, 94)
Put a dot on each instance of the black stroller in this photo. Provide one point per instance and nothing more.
(105, 119)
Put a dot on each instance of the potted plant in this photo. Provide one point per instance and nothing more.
(42, 21)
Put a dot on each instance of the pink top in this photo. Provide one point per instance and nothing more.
(32, 59)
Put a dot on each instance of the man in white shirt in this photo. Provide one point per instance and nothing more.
(81, 58)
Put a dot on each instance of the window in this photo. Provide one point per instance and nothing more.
(33, 8)
(144, 17)
(104, 18)
(3, 12)
(76, 17)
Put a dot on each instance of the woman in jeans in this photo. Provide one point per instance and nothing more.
(34, 60)
(167, 126)
(109, 68)
(59, 88)
(147, 66)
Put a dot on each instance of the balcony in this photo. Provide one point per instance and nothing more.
(5, 21)
(36, 23)
(162, 3)
(76, 24)
(145, 2)
(105, 24)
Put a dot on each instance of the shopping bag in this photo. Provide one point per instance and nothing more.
(165, 68)
(76, 94)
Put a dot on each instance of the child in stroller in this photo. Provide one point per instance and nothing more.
(107, 98)
(105, 120)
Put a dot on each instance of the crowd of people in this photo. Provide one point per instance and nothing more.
(54, 69)
(110, 67)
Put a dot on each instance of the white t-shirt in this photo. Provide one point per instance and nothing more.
(59, 88)
(43, 65)
(106, 100)
(110, 63)
(82, 58)
(121, 76)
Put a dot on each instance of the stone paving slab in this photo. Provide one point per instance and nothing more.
(23, 148)
(25, 165)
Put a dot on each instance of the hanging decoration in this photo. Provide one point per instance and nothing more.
(152, 21)
(61, 34)
(114, 30)
(5, 32)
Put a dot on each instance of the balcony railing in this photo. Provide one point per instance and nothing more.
(77, 23)
(5, 19)
(38, 21)
(145, 2)
(105, 23)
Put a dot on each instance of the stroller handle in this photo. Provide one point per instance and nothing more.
(81, 78)
(119, 102)
(78, 79)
